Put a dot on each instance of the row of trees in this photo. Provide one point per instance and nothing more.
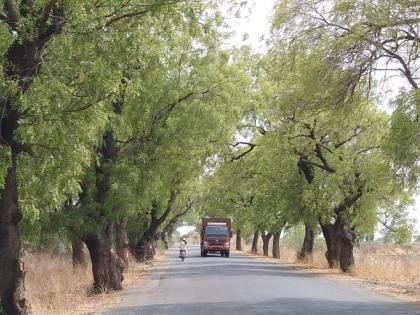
(121, 117)
(314, 148)
(109, 112)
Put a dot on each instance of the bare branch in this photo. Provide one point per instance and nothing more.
(357, 131)
(251, 147)
(147, 9)
(369, 149)
(320, 155)
(241, 142)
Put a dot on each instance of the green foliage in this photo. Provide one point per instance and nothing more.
(227, 132)
(293, 237)
(396, 226)
(316, 145)
(403, 142)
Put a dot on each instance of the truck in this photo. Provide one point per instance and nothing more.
(215, 236)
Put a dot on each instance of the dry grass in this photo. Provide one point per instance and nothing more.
(53, 287)
(399, 270)
(386, 264)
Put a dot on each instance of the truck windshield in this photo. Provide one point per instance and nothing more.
(216, 231)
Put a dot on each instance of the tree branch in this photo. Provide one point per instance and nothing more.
(349, 201)
(45, 16)
(148, 8)
(369, 148)
(251, 147)
(320, 155)
(357, 131)
(10, 11)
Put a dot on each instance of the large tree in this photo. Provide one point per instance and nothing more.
(61, 66)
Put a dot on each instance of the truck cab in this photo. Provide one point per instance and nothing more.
(215, 236)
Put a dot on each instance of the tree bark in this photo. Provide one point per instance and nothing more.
(254, 247)
(170, 234)
(107, 267)
(164, 239)
(276, 245)
(145, 249)
(121, 240)
(308, 244)
(168, 230)
(333, 245)
(266, 241)
(79, 260)
(12, 267)
(238, 239)
(346, 237)
(339, 238)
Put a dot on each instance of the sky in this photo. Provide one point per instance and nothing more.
(256, 24)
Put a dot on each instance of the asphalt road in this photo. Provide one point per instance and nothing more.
(246, 286)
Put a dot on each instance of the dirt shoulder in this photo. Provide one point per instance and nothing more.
(403, 293)
(136, 274)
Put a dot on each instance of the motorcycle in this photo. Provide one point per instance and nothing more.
(182, 254)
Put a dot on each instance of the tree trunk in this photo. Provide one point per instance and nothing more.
(333, 246)
(346, 237)
(145, 249)
(254, 248)
(339, 238)
(21, 64)
(238, 239)
(164, 240)
(170, 234)
(79, 260)
(276, 245)
(107, 267)
(308, 245)
(266, 241)
(12, 267)
(121, 240)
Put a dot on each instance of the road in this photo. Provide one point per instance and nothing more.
(241, 285)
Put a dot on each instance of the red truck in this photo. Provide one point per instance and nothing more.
(215, 236)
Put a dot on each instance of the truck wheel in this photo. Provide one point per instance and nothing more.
(201, 253)
(222, 254)
(204, 253)
(227, 254)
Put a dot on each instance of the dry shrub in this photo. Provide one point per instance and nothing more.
(53, 287)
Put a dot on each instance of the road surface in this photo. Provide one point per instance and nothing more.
(241, 285)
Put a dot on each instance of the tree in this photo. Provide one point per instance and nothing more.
(369, 40)
(395, 222)
(77, 52)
